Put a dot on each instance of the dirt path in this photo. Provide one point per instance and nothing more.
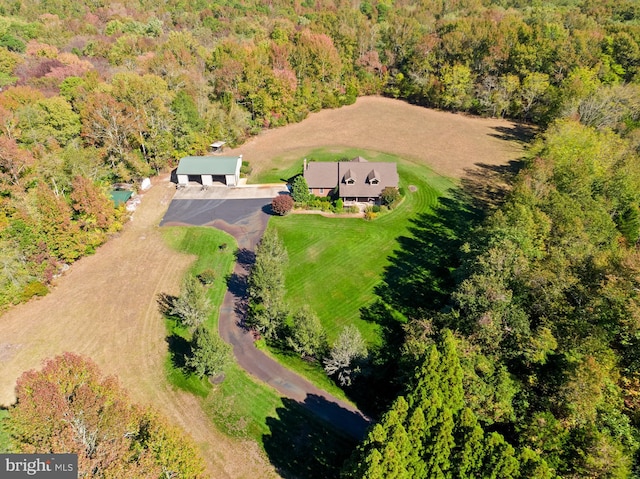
(105, 307)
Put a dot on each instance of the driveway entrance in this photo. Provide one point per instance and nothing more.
(243, 211)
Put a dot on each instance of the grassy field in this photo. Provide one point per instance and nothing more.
(334, 266)
(335, 263)
(239, 406)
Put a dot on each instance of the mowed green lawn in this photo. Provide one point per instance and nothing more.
(335, 263)
(242, 406)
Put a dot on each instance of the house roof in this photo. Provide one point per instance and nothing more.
(349, 175)
(363, 173)
(321, 174)
(209, 165)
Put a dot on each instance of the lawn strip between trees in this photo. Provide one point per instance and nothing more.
(239, 405)
(244, 404)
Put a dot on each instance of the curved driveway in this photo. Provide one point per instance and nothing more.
(246, 219)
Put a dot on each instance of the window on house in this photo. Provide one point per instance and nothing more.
(375, 181)
(321, 190)
(351, 181)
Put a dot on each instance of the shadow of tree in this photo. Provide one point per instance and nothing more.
(179, 349)
(520, 132)
(268, 210)
(487, 186)
(237, 284)
(382, 374)
(165, 303)
(245, 257)
(301, 444)
(420, 277)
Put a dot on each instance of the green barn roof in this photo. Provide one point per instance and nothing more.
(208, 165)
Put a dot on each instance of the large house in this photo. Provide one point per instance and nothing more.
(357, 180)
(209, 169)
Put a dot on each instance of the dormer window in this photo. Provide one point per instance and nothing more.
(349, 178)
(373, 177)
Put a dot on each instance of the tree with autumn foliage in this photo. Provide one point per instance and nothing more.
(69, 406)
(91, 205)
(282, 204)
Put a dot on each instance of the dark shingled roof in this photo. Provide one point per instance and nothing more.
(332, 174)
(320, 174)
(364, 172)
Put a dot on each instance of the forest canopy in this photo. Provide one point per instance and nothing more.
(94, 93)
(544, 310)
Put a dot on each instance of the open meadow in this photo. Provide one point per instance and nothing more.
(105, 306)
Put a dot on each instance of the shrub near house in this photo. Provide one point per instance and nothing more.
(282, 204)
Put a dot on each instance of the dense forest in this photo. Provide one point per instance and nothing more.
(101, 92)
(537, 318)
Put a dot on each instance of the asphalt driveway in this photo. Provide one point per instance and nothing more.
(246, 220)
(241, 211)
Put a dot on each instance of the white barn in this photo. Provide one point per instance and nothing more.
(209, 169)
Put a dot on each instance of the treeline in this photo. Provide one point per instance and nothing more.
(103, 92)
(299, 331)
(545, 313)
(545, 317)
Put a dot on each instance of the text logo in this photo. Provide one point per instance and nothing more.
(39, 466)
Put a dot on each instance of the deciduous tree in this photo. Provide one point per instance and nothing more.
(346, 356)
(282, 204)
(69, 407)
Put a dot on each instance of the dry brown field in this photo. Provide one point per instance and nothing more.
(105, 305)
(449, 143)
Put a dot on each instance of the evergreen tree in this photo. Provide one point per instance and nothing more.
(300, 190)
(445, 438)
(267, 310)
(470, 446)
(209, 353)
(307, 336)
(192, 306)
